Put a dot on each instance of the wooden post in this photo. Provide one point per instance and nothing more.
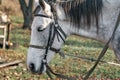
(8, 32)
(4, 41)
(3, 36)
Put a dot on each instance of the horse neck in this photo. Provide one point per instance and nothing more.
(114, 3)
(70, 29)
(110, 5)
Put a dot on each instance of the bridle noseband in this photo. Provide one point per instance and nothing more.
(54, 31)
(41, 15)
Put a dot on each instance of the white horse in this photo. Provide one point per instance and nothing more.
(94, 19)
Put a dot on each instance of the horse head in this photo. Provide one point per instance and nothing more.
(44, 39)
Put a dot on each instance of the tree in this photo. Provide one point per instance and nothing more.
(0, 2)
(27, 12)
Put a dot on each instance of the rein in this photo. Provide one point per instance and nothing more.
(41, 15)
(56, 30)
(104, 49)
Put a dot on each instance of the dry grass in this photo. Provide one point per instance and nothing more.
(11, 7)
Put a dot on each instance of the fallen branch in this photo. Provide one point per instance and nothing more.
(112, 63)
(2, 61)
(10, 64)
(92, 59)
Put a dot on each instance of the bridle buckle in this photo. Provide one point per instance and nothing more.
(44, 61)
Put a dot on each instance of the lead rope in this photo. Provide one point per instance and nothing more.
(104, 49)
(57, 32)
(56, 74)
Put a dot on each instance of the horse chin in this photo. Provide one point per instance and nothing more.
(39, 72)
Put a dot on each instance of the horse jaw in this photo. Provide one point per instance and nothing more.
(35, 56)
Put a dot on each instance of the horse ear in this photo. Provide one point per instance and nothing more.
(42, 4)
(37, 9)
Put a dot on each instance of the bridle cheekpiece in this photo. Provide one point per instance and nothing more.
(54, 31)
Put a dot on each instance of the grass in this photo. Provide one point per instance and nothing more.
(74, 67)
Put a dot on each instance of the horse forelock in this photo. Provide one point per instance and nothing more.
(83, 12)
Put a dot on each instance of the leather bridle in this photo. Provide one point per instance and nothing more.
(54, 31)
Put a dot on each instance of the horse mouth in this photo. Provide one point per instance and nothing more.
(33, 70)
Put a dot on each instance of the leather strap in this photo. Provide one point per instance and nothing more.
(56, 74)
(41, 15)
(104, 49)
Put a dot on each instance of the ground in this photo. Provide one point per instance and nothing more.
(71, 66)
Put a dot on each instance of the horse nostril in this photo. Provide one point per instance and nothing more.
(32, 67)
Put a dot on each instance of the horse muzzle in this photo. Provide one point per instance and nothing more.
(40, 70)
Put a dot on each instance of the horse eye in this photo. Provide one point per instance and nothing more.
(39, 29)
